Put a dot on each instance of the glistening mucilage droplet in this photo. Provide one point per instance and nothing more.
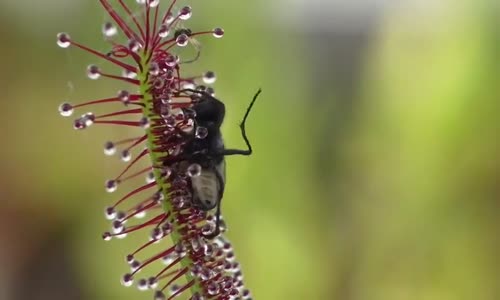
(109, 30)
(109, 148)
(66, 109)
(194, 170)
(209, 77)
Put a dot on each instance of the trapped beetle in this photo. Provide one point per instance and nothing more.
(205, 151)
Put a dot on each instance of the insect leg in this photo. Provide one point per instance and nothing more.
(192, 60)
(227, 152)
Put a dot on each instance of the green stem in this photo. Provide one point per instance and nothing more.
(147, 110)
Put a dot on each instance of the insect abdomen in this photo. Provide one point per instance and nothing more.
(206, 189)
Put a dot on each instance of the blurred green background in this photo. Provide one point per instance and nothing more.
(376, 172)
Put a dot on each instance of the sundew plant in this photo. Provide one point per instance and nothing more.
(145, 39)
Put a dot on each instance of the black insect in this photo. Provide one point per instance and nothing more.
(207, 188)
(185, 31)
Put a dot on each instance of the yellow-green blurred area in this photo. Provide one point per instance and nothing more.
(376, 171)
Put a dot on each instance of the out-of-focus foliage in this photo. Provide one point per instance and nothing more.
(391, 193)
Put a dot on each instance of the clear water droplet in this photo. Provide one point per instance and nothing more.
(167, 227)
(142, 284)
(211, 91)
(163, 31)
(120, 216)
(188, 86)
(109, 148)
(111, 185)
(129, 74)
(88, 118)
(129, 258)
(154, 69)
(201, 132)
(164, 109)
(209, 77)
(159, 295)
(118, 226)
(194, 170)
(174, 288)
(168, 259)
(185, 13)
(206, 230)
(79, 124)
(222, 225)
(124, 96)
(107, 236)
(171, 61)
(158, 197)
(206, 274)
(197, 296)
(93, 72)
(218, 32)
(152, 282)
(134, 45)
(150, 178)
(180, 249)
(170, 18)
(109, 30)
(156, 233)
(213, 288)
(166, 172)
(144, 122)
(196, 270)
(63, 40)
(153, 3)
(110, 213)
(66, 109)
(125, 156)
(182, 40)
(135, 265)
(127, 280)
(141, 214)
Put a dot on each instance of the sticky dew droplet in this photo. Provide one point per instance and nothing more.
(109, 148)
(218, 32)
(201, 132)
(111, 185)
(109, 29)
(209, 77)
(63, 40)
(66, 109)
(185, 13)
(194, 170)
(93, 72)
